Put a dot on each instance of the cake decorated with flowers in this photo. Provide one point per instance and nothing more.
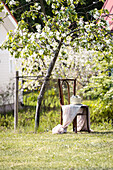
(75, 100)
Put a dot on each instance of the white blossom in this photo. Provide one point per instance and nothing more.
(53, 6)
(96, 15)
(48, 47)
(12, 2)
(34, 55)
(19, 49)
(108, 42)
(39, 7)
(41, 51)
(63, 35)
(87, 28)
(24, 33)
(32, 38)
(38, 27)
(47, 29)
(37, 35)
(57, 34)
(43, 34)
(85, 41)
(81, 22)
(51, 33)
(36, 4)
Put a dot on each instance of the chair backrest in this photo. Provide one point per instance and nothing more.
(60, 84)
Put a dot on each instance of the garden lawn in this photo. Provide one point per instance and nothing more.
(65, 151)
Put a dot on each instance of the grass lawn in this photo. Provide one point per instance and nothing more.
(66, 151)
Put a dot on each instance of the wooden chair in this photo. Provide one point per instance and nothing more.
(61, 95)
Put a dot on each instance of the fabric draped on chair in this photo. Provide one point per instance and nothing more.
(69, 113)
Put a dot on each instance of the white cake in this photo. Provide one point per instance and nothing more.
(75, 100)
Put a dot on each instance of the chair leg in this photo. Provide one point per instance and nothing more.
(87, 117)
(75, 125)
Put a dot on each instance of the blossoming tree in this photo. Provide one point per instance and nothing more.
(47, 46)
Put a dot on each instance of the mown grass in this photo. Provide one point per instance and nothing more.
(47, 151)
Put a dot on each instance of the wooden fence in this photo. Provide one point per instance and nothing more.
(51, 84)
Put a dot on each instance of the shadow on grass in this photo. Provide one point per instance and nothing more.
(106, 132)
(93, 132)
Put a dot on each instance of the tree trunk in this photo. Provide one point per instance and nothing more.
(40, 97)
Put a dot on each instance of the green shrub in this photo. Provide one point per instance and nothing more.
(6, 121)
(99, 111)
(102, 125)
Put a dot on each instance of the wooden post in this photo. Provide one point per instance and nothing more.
(16, 102)
(74, 87)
